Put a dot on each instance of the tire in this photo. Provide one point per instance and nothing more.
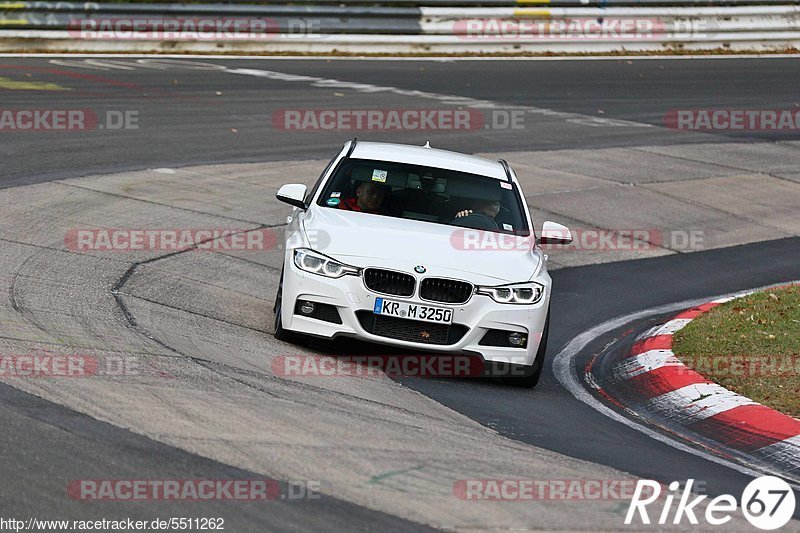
(530, 380)
(280, 333)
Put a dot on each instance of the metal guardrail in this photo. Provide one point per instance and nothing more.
(436, 26)
(238, 7)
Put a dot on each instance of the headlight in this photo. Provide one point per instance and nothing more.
(518, 293)
(316, 263)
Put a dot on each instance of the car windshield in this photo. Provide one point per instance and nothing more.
(440, 196)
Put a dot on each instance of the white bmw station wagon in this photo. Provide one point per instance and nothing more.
(419, 248)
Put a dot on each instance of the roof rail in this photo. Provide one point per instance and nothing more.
(352, 147)
(506, 168)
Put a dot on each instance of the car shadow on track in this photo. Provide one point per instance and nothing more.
(401, 364)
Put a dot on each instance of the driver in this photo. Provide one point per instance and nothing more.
(480, 216)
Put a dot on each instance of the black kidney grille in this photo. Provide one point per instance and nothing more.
(389, 282)
(448, 291)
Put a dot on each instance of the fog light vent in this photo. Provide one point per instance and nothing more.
(504, 338)
(516, 339)
(318, 311)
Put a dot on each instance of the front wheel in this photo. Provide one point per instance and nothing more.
(530, 380)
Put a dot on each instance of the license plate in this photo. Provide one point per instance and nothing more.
(411, 311)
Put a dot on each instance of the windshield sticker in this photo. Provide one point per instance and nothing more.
(379, 175)
(505, 185)
(335, 194)
(333, 202)
(508, 227)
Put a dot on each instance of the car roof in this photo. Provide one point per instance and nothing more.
(431, 157)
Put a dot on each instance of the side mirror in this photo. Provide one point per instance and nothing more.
(553, 233)
(293, 194)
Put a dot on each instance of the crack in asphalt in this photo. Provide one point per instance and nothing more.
(117, 293)
(171, 206)
(224, 370)
(195, 313)
(721, 165)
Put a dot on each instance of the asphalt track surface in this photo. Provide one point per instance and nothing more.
(183, 120)
(551, 422)
(43, 443)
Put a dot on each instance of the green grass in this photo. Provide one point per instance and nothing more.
(750, 345)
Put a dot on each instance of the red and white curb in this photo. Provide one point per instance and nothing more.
(650, 382)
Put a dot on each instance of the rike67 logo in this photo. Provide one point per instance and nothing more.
(767, 502)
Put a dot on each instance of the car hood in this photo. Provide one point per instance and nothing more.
(363, 240)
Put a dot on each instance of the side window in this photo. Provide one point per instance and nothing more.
(316, 186)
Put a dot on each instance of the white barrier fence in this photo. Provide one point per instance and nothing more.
(447, 30)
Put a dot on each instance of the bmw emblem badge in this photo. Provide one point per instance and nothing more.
(419, 269)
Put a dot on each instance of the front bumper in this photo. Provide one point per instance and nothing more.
(352, 299)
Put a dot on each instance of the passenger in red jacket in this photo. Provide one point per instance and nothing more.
(369, 198)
